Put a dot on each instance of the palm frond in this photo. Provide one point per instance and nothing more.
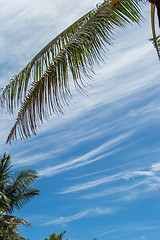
(15, 221)
(16, 90)
(23, 197)
(19, 190)
(61, 235)
(5, 166)
(4, 203)
(71, 55)
(8, 226)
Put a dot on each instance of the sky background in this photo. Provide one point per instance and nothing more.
(99, 164)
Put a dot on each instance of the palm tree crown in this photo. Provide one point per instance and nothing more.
(15, 191)
(56, 237)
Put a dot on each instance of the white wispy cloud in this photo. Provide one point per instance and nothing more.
(91, 184)
(97, 211)
(155, 167)
(118, 231)
(138, 173)
(86, 158)
(131, 191)
(25, 22)
(149, 176)
(114, 190)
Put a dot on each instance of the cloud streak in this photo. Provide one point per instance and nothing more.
(82, 214)
(132, 180)
(86, 158)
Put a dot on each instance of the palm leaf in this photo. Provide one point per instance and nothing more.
(23, 197)
(19, 190)
(70, 55)
(15, 221)
(16, 90)
(8, 224)
(4, 203)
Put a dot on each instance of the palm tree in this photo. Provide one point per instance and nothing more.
(15, 192)
(71, 55)
(56, 237)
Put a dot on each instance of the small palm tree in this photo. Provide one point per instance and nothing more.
(71, 55)
(56, 237)
(15, 192)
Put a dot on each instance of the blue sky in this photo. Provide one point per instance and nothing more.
(99, 164)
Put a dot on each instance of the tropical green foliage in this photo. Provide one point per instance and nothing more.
(56, 237)
(70, 56)
(15, 192)
(9, 225)
(59, 237)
